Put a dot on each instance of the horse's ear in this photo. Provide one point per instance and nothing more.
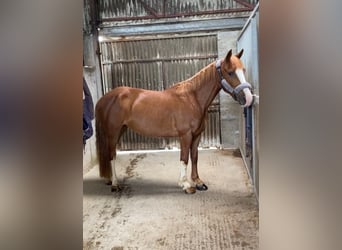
(238, 55)
(229, 54)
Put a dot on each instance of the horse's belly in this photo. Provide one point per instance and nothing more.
(158, 128)
(157, 115)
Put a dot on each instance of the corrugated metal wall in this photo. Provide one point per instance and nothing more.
(157, 64)
(157, 8)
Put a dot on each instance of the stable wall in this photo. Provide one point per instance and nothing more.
(230, 110)
(91, 73)
(249, 124)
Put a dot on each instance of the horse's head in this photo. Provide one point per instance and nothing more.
(233, 81)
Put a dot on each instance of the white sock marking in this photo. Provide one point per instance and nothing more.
(114, 178)
(183, 181)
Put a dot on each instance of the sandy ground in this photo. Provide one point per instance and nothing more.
(153, 212)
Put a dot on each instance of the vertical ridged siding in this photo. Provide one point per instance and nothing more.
(156, 64)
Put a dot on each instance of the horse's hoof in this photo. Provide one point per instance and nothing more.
(190, 190)
(201, 187)
(108, 182)
(116, 188)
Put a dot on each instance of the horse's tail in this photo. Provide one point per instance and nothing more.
(102, 146)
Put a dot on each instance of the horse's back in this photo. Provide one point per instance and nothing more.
(128, 96)
(112, 98)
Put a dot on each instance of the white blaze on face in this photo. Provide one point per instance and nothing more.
(247, 92)
(240, 75)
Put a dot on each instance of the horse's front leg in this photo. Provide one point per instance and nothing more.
(188, 186)
(194, 158)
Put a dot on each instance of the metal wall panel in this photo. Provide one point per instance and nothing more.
(157, 64)
(248, 40)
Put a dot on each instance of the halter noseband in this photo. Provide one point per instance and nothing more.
(226, 86)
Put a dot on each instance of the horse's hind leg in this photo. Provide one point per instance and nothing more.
(115, 186)
(115, 183)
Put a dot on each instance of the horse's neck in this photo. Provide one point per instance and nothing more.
(206, 86)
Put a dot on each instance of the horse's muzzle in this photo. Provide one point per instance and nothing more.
(244, 96)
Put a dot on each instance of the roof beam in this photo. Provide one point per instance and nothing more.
(178, 27)
(157, 16)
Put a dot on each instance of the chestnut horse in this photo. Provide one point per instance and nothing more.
(179, 111)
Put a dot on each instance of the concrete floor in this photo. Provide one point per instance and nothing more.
(152, 212)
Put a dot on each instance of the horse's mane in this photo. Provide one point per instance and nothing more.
(194, 82)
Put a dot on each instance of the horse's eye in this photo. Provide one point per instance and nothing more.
(231, 73)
